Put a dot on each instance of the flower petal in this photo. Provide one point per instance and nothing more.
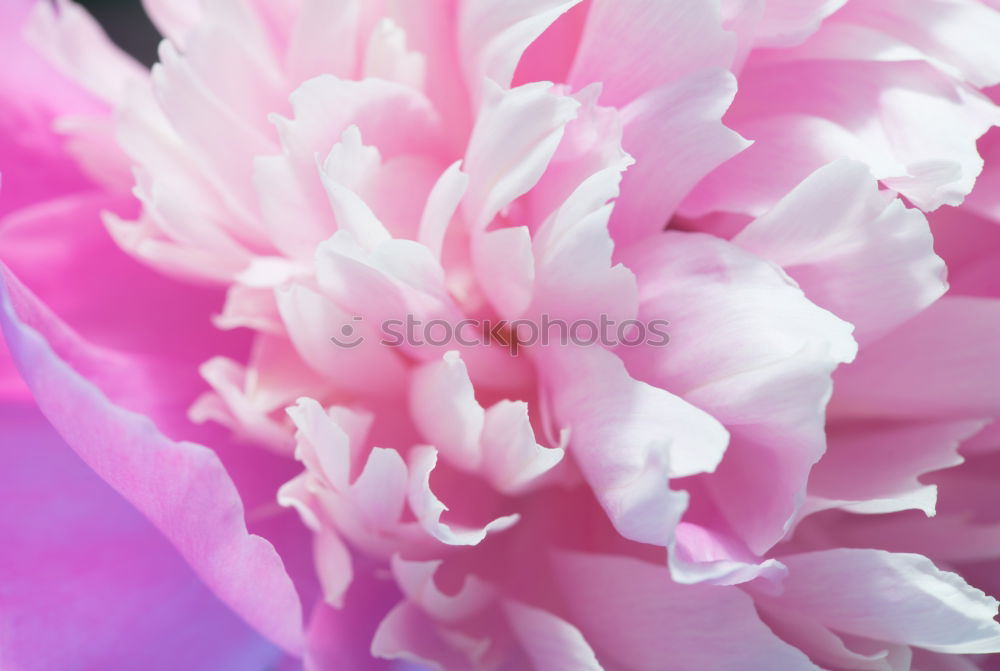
(493, 35)
(676, 135)
(864, 257)
(622, 606)
(899, 598)
(748, 347)
(655, 436)
(954, 341)
(181, 487)
(74, 551)
(667, 40)
(550, 642)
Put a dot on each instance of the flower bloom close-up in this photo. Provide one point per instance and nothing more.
(501, 335)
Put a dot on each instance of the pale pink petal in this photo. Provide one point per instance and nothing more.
(395, 118)
(380, 490)
(407, 633)
(591, 143)
(249, 307)
(445, 410)
(834, 650)
(574, 277)
(676, 135)
(387, 57)
(632, 613)
(898, 598)
(656, 436)
(232, 404)
(549, 58)
(225, 142)
(428, 508)
(173, 187)
(875, 468)
(416, 580)
(324, 40)
(73, 41)
(748, 347)
(549, 641)
(333, 566)
(955, 36)
(668, 40)
(353, 215)
(322, 443)
(778, 23)
(498, 443)
(227, 65)
(706, 551)
(953, 341)
(355, 361)
(256, 394)
(351, 163)
(399, 192)
(864, 257)
(517, 132)
(513, 460)
(891, 121)
(442, 204)
(325, 110)
(787, 22)
(432, 29)
(567, 212)
(505, 267)
(389, 283)
(493, 34)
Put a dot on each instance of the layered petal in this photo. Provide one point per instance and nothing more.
(621, 604)
(656, 436)
(952, 340)
(854, 250)
(798, 121)
(181, 487)
(746, 346)
(668, 41)
(75, 550)
(890, 597)
(676, 135)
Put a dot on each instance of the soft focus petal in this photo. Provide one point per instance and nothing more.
(494, 33)
(75, 551)
(657, 436)
(866, 258)
(676, 135)
(748, 347)
(953, 341)
(794, 113)
(550, 642)
(667, 41)
(891, 597)
(876, 468)
(181, 487)
(621, 606)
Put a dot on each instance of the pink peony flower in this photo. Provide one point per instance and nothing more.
(504, 335)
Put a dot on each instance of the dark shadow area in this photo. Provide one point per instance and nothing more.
(127, 24)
